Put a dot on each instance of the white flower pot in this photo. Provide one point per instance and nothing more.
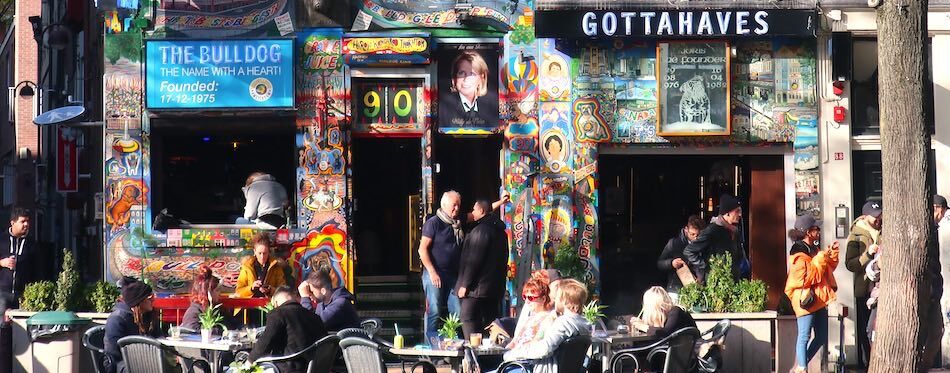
(205, 335)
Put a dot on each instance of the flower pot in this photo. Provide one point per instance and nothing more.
(205, 335)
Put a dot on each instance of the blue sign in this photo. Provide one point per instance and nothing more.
(202, 74)
(59, 115)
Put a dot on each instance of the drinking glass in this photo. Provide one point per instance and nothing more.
(174, 332)
(475, 339)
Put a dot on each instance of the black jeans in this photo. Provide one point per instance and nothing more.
(477, 313)
(863, 315)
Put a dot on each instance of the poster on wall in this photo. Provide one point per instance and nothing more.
(468, 89)
(693, 88)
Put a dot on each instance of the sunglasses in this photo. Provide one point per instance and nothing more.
(531, 298)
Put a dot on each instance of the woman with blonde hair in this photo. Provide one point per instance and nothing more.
(660, 317)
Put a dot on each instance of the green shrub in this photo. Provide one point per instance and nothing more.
(68, 287)
(101, 296)
(569, 264)
(39, 296)
(722, 293)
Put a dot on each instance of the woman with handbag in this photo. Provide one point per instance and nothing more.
(810, 286)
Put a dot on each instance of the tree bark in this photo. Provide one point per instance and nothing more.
(903, 305)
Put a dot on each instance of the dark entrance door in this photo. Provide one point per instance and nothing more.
(469, 166)
(386, 172)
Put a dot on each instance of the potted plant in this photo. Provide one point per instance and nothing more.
(210, 318)
(102, 296)
(593, 312)
(449, 331)
(743, 302)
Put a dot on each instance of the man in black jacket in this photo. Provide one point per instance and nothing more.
(719, 237)
(672, 257)
(481, 282)
(290, 328)
(16, 252)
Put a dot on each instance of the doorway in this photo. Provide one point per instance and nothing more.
(468, 165)
(386, 173)
(645, 201)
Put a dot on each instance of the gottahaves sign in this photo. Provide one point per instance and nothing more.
(185, 74)
(674, 23)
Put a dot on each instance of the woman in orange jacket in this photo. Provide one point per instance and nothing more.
(810, 286)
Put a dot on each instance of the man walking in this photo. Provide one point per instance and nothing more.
(439, 252)
(481, 282)
(862, 246)
(719, 237)
(672, 257)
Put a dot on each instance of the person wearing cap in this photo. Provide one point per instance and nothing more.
(132, 315)
(719, 237)
(861, 247)
(810, 286)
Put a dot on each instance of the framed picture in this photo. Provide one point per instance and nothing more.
(468, 88)
(693, 79)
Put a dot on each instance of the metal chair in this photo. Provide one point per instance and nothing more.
(92, 340)
(712, 360)
(570, 356)
(144, 354)
(362, 355)
(678, 348)
(320, 356)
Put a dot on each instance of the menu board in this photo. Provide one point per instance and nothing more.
(693, 79)
(388, 106)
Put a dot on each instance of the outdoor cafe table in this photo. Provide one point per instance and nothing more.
(454, 356)
(608, 342)
(215, 347)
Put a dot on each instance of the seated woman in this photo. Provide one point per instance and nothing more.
(205, 293)
(261, 273)
(132, 315)
(660, 317)
(538, 311)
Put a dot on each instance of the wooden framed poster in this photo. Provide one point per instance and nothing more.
(693, 79)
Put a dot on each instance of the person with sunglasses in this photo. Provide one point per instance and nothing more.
(537, 314)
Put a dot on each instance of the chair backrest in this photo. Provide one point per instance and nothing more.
(352, 332)
(325, 354)
(680, 354)
(143, 354)
(362, 355)
(92, 340)
(572, 353)
(719, 331)
(371, 326)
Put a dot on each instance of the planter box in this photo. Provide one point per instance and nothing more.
(23, 349)
(748, 345)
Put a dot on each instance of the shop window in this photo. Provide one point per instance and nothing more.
(865, 108)
(868, 180)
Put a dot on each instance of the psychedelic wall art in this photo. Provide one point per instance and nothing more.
(384, 14)
(321, 189)
(556, 138)
(181, 19)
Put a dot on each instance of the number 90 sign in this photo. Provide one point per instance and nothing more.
(383, 104)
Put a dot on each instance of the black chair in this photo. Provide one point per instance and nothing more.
(570, 356)
(362, 355)
(92, 340)
(144, 354)
(678, 349)
(712, 360)
(319, 356)
(372, 326)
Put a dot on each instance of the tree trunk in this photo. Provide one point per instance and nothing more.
(904, 301)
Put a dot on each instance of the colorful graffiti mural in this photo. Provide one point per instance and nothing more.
(499, 14)
(224, 19)
(325, 246)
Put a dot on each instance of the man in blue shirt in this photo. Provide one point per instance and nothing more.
(333, 305)
(440, 252)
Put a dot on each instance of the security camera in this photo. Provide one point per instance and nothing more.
(874, 3)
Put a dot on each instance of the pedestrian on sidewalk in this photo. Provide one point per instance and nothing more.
(719, 237)
(672, 257)
(481, 283)
(440, 253)
(810, 286)
(861, 247)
